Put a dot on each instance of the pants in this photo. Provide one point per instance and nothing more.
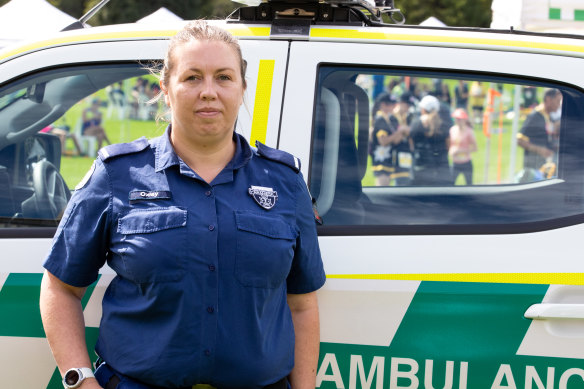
(465, 169)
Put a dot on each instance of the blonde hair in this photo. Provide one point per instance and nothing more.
(197, 30)
(432, 122)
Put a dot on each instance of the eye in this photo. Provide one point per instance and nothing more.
(224, 77)
(192, 77)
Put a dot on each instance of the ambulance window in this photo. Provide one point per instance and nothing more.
(51, 126)
(411, 150)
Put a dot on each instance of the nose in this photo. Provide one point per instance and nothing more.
(208, 91)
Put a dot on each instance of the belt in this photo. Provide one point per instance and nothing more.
(282, 384)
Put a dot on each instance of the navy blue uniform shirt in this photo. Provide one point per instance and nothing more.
(203, 270)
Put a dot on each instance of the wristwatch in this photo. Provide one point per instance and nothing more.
(73, 378)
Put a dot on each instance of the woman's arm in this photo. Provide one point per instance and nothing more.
(64, 325)
(304, 309)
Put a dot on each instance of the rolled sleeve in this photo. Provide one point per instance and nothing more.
(307, 271)
(80, 244)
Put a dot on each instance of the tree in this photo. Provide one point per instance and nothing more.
(460, 13)
(127, 11)
(456, 13)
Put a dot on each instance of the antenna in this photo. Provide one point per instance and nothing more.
(82, 20)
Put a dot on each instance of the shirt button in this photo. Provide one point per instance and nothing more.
(208, 193)
(212, 267)
(207, 352)
(210, 309)
(211, 227)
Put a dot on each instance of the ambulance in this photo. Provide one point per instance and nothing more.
(467, 282)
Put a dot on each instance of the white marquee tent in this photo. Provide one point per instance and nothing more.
(161, 15)
(565, 16)
(433, 22)
(26, 19)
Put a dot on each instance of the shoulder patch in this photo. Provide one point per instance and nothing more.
(115, 150)
(278, 156)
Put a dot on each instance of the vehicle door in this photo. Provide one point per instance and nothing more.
(442, 283)
(47, 94)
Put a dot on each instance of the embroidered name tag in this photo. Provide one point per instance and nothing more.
(138, 195)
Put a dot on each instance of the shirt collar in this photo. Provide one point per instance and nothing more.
(165, 156)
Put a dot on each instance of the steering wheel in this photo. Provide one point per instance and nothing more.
(51, 193)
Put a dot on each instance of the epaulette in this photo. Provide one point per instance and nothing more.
(117, 149)
(278, 156)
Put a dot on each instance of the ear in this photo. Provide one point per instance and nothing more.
(163, 89)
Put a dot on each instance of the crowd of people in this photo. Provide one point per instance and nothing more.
(422, 135)
(139, 104)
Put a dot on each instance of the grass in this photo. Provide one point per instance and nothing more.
(73, 168)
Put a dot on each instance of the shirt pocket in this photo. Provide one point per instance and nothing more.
(153, 244)
(264, 249)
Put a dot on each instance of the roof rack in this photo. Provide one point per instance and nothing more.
(363, 12)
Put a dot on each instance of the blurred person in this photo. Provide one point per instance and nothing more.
(92, 123)
(384, 137)
(429, 142)
(462, 144)
(461, 94)
(477, 101)
(539, 134)
(401, 153)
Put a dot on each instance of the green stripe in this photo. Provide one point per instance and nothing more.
(555, 14)
(480, 324)
(90, 338)
(579, 15)
(456, 320)
(19, 305)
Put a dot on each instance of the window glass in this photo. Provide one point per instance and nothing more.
(412, 148)
(53, 123)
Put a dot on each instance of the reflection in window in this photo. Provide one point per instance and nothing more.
(393, 148)
(439, 132)
(53, 123)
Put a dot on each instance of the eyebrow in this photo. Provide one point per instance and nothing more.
(216, 71)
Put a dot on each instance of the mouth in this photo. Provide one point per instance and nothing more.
(207, 112)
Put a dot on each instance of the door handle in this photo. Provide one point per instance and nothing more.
(549, 311)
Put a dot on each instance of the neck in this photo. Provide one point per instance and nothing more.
(205, 159)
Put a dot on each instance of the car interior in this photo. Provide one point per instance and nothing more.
(32, 189)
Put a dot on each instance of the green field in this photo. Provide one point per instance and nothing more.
(73, 168)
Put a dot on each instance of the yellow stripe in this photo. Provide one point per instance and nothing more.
(381, 168)
(248, 31)
(164, 34)
(261, 107)
(356, 34)
(505, 278)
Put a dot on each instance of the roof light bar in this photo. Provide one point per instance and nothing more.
(367, 12)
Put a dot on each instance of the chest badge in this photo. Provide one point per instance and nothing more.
(265, 197)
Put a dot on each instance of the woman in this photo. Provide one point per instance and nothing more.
(429, 140)
(92, 123)
(214, 246)
(462, 144)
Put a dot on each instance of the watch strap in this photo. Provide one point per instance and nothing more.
(86, 372)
